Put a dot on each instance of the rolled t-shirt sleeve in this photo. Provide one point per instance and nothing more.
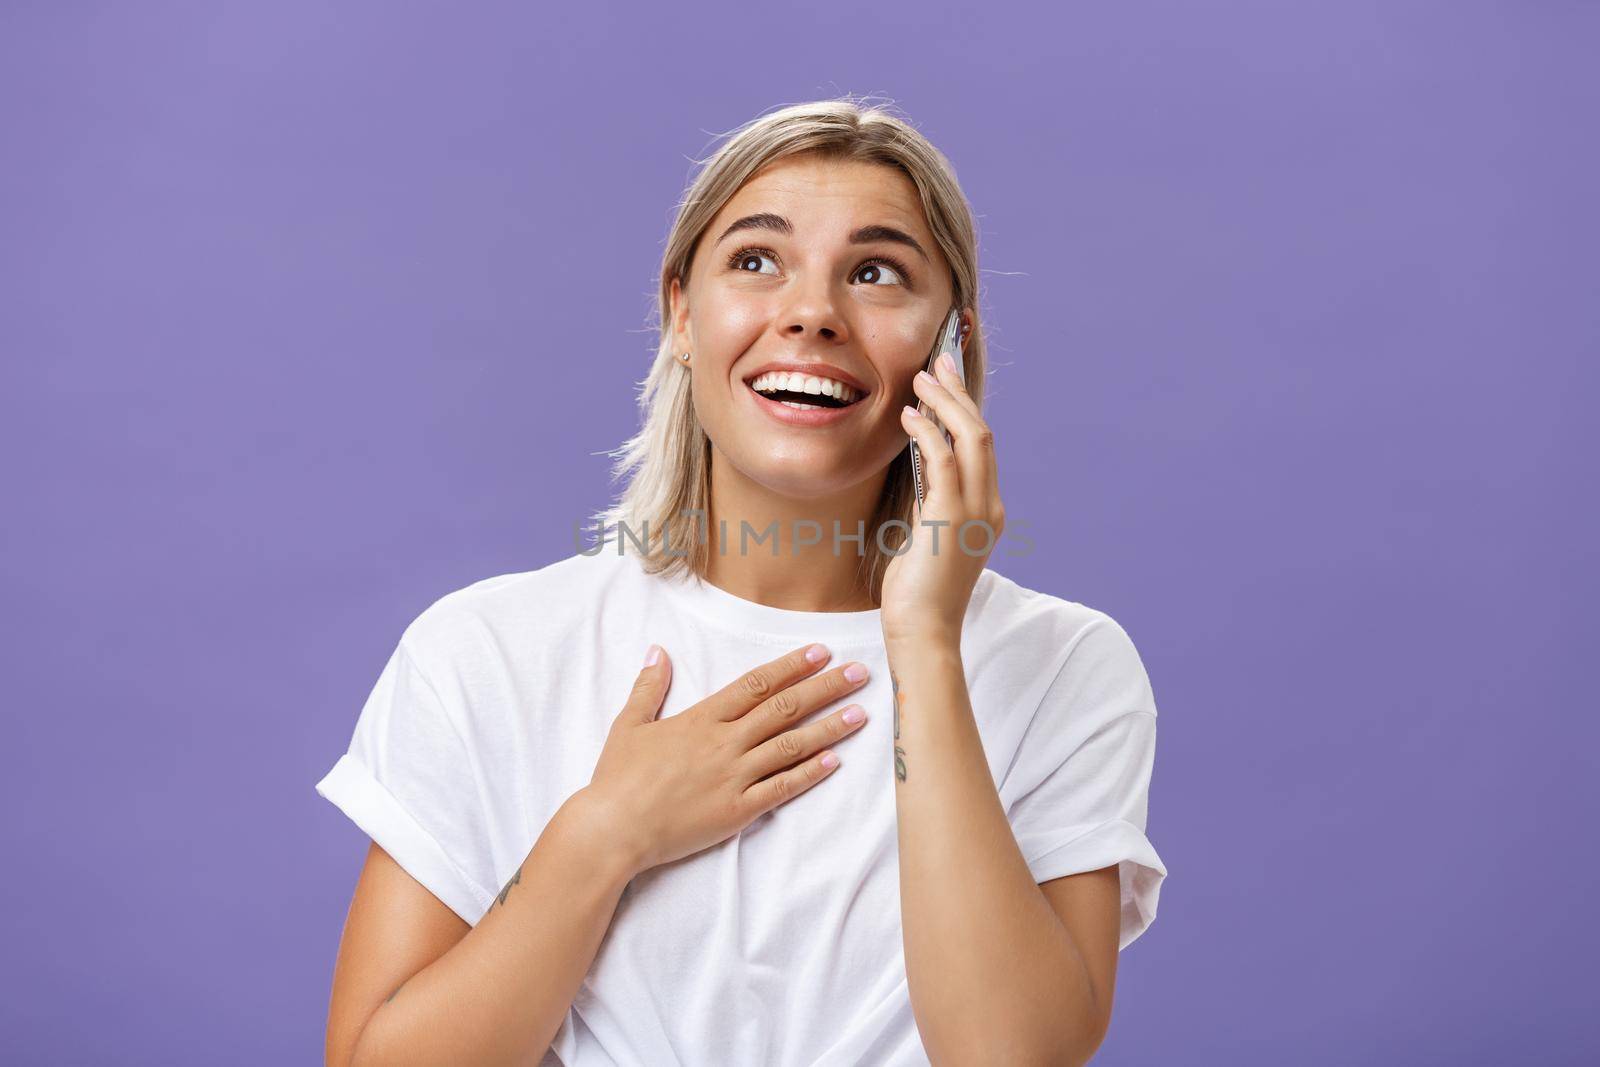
(407, 780)
(1081, 781)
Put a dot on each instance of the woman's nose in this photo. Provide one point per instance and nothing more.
(812, 311)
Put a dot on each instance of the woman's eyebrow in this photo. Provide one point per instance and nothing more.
(766, 220)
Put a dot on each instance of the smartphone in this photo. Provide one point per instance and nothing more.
(949, 341)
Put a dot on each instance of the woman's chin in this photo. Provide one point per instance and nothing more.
(814, 474)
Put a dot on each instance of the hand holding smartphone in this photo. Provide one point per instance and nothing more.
(949, 341)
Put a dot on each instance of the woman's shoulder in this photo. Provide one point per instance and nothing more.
(1031, 644)
(513, 609)
(1004, 605)
(1044, 627)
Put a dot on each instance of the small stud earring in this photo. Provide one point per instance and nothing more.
(684, 357)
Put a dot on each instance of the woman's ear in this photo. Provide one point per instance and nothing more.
(678, 317)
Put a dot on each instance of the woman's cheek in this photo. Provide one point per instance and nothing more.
(741, 317)
(733, 325)
(909, 333)
(910, 340)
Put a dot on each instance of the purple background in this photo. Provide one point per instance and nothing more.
(314, 313)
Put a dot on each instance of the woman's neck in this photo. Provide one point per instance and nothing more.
(811, 571)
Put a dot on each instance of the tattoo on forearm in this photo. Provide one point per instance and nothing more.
(515, 878)
(899, 753)
(396, 992)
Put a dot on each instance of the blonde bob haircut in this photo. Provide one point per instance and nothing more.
(667, 464)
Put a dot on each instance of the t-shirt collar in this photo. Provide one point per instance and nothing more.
(722, 607)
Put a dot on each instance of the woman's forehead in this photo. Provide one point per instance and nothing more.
(815, 194)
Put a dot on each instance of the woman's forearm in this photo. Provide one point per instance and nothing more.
(500, 994)
(994, 976)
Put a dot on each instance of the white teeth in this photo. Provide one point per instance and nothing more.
(790, 382)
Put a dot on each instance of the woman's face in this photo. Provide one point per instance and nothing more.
(821, 269)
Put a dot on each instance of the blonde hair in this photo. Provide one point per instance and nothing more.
(667, 464)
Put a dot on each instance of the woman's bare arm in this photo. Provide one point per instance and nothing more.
(414, 984)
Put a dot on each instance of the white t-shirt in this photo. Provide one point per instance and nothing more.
(781, 945)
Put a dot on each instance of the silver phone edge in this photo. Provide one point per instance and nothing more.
(949, 339)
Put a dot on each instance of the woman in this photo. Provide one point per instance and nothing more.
(713, 858)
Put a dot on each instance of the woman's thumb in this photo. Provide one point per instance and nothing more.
(649, 688)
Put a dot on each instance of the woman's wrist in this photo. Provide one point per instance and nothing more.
(603, 825)
(904, 643)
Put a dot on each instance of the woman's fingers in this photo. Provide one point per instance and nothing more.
(783, 709)
(750, 689)
(974, 441)
(792, 746)
(768, 793)
(649, 688)
(938, 461)
(947, 376)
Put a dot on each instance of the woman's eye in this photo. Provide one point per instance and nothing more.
(741, 261)
(878, 269)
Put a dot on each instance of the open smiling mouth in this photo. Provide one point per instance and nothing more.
(804, 391)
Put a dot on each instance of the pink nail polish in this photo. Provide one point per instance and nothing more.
(913, 412)
(653, 656)
(855, 673)
(949, 362)
(854, 714)
(829, 760)
(816, 654)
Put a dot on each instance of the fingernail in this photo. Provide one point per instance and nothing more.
(925, 376)
(653, 656)
(829, 760)
(854, 714)
(949, 362)
(913, 412)
(816, 654)
(855, 673)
